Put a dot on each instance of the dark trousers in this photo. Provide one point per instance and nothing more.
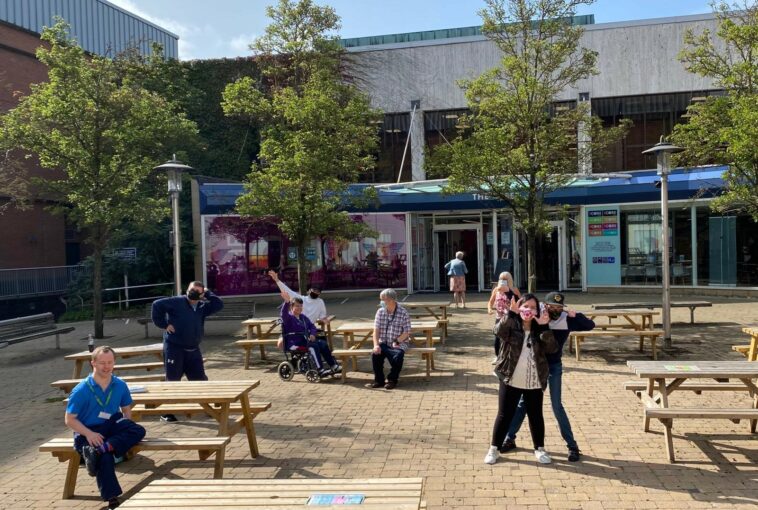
(320, 350)
(394, 356)
(179, 362)
(508, 400)
(121, 434)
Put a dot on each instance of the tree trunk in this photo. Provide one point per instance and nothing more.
(97, 290)
(531, 261)
(302, 274)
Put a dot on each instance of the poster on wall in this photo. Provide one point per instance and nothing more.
(603, 246)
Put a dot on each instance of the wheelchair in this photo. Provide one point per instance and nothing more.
(300, 361)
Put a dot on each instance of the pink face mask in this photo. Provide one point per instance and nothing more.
(526, 313)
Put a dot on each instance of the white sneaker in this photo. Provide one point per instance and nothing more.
(492, 455)
(494, 360)
(542, 457)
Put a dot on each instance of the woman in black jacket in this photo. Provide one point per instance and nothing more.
(523, 370)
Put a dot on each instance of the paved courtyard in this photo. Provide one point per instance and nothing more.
(438, 429)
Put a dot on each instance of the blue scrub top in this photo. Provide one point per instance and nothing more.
(88, 400)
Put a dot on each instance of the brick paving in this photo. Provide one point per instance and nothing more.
(437, 429)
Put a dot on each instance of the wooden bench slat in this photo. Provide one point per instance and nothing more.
(68, 384)
(427, 353)
(30, 327)
(692, 386)
(698, 412)
(576, 338)
(151, 365)
(235, 408)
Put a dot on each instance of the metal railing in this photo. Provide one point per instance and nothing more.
(36, 281)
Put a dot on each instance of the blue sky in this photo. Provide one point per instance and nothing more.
(224, 28)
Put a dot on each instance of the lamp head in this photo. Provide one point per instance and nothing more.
(174, 169)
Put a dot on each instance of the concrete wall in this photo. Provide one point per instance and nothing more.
(635, 58)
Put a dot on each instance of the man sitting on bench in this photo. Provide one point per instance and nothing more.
(99, 413)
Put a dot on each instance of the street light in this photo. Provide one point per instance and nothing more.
(174, 170)
(663, 151)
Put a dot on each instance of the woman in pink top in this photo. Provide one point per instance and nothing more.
(500, 301)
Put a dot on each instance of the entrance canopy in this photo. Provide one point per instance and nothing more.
(702, 182)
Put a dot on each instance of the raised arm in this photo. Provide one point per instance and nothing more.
(214, 303)
(285, 291)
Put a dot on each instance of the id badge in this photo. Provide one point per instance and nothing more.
(104, 416)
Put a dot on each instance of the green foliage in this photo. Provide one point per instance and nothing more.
(722, 130)
(315, 129)
(99, 132)
(516, 147)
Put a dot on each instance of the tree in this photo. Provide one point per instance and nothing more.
(723, 128)
(517, 146)
(315, 129)
(99, 132)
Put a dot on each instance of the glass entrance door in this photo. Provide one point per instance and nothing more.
(449, 239)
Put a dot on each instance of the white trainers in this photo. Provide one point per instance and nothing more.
(494, 360)
(542, 457)
(492, 455)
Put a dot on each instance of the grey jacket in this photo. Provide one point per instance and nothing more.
(510, 331)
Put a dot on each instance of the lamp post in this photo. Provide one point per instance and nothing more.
(174, 170)
(663, 151)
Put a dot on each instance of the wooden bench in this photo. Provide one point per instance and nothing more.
(695, 386)
(139, 410)
(63, 449)
(652, 334)
(750, 351)
(68, 384)
(21, 329)
(233, 310)
(675, 304)
(427, 354)
(150, 365)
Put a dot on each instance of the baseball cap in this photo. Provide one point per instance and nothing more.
(555, 299)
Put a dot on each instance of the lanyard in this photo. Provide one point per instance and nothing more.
(107, 399)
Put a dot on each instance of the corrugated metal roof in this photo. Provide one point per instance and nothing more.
(99, 26)
(430, 35)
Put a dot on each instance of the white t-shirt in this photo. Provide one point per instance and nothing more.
(314, 309)
(525, 375)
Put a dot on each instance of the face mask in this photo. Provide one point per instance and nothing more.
(382, 304)
(554, 314)
(314, 295)
(503, 283)
(526, 313)
(193, 294)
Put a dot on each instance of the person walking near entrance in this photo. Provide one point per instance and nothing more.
(562, 322)
(457, 271)
(183, 319)
(522, 369)
(500, 301)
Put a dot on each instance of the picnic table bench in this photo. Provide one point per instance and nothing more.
(257, 337)
(68, 384)
(287, 494)
(674, 304)
(750, 350)
(577, 337)
(633, 318)
(63, 449)
(82, 358)
(21, 329)
(233, 310)
(657, 406)
(436, 309)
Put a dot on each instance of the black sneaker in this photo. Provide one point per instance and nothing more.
(168, 418)
(113, 503)
(574, 454)
(508, 445)
(91, 457)
(376, 385)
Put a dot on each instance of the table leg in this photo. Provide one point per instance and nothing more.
(429, 343)
(668, 423)
(692, 315)
(646, 420)
(752, 353)
(577, 340)
(78, 369)
(247, 356)
(247, 421)
(259, 332)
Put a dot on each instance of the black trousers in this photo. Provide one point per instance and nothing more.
(508, 400)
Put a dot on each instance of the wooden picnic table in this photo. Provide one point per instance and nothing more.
(273, 493)
(636, 318)
(674, 304)
(750, 350)
(436, 309)
(215, 397)
(255, 327)
(256, 337)
(120, 352)
(678, 373)
(350, 330)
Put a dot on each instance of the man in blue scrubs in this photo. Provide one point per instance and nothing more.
(99, 413)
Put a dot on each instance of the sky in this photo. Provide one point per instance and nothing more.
(225, 28)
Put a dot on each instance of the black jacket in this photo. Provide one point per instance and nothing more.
(510, 330)
(578, 323)
(187, 322)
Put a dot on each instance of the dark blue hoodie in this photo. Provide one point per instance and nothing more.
(561, 330)
(188, 322)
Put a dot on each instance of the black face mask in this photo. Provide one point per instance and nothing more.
(193, 294)
(314, 295)
(554, 314)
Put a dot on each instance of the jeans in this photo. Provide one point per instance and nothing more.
(394, 356)
(554, 383)
(121, 434)
(508, 399)
(179, 361)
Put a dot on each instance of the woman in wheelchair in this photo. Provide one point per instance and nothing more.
(299, 333)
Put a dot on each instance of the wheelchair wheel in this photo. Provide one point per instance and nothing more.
(303, 365)
(312, 376)
(286, 371)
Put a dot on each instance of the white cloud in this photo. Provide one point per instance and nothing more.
(241, 43)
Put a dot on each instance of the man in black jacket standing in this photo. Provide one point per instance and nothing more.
(562, 322)
(183, 319)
